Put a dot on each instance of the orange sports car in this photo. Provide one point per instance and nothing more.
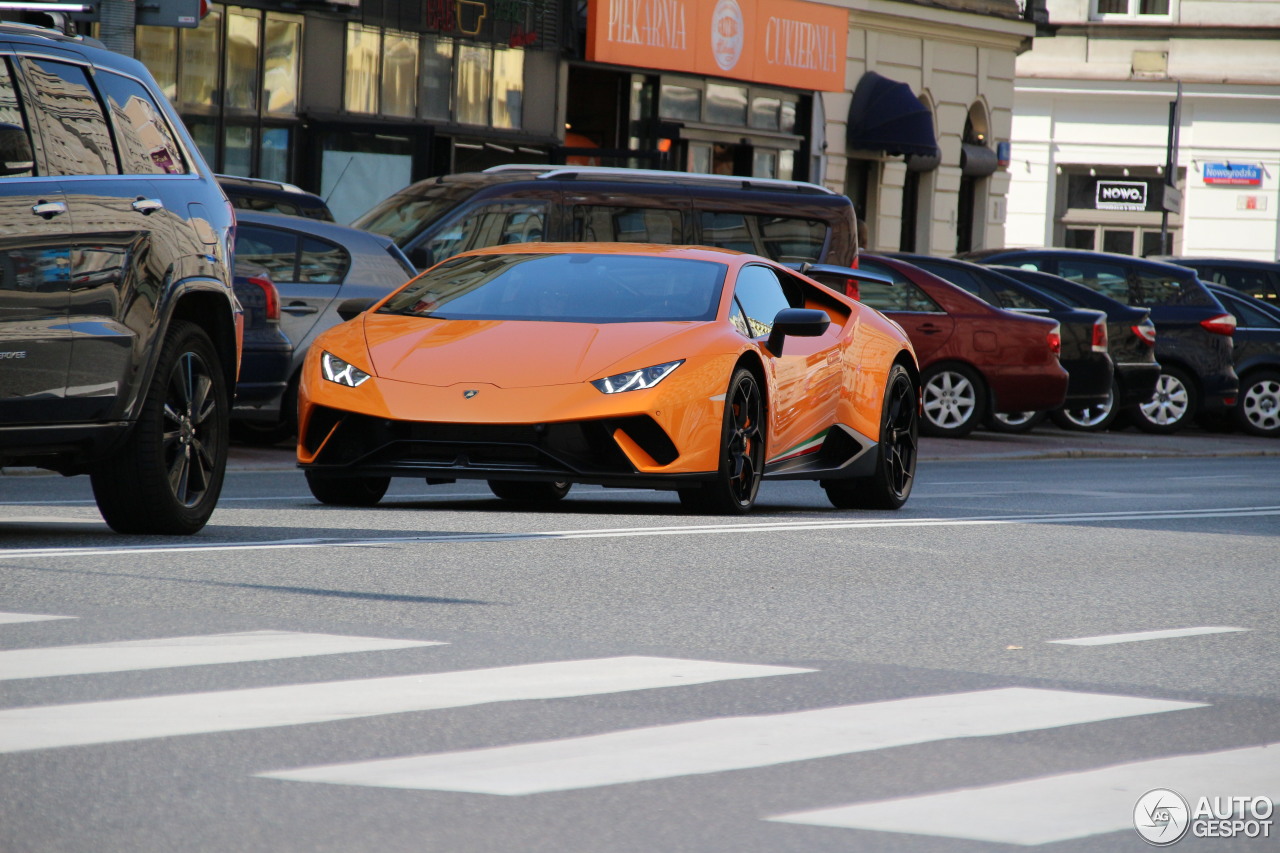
(684, 368)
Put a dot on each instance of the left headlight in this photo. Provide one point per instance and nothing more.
(337, 370)
(635, 380)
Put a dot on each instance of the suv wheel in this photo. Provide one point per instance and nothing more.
(167, 476)
(1173, 405)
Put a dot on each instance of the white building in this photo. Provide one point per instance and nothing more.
(1091, 128)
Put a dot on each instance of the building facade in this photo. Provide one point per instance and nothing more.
(1094, 109)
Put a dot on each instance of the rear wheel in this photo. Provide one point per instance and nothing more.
(529, 493)
(895, 473)
(1172, 407)
(733, 492)
(1015, 422)
(167, 476)
(1258, 411)
(953, 401)
(1093, 418)
(347, 491)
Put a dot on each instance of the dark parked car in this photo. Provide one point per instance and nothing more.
(1257, 353)
(264, 361)
(119, 330)
(974, 358)
(1193, 329)
(315, 267)
(1084, 354)
(264, 196)
(1131, 340)
(1259, 279)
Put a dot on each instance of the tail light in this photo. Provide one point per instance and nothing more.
(1146, 331)
(270, 296)
(1100, 334)
(851, 288)
(1223, 324)
(1055, 340)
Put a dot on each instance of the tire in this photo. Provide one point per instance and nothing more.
(347, 491)
(1172, 407)
(1258, 409)
(733, 492)
(167, 476)
(896, 453)
(519, 492)
(954, 401)
(1093, 418)
(1015, 422)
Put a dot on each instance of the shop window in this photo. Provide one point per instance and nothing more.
(157, 48)
(237, 150)
(764, 113)
(508, 88)
(682, 103)
(787, 118)
(474, 79)
(601, 223)
(399, 74)
(764, 163)
(199, 85)
(726, 104)
(435, 100)
(205, 133)
(241, 87)
(1080, 238)
(1131, 8)
(280, 64)
(360, 90)
(273, 153)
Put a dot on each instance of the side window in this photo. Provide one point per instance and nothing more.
(738, 319)
(274, 250)
(1155, 288)
(903, 296)
(144, 139)
(793, 240)
(727, 231)
(322, 262)
(1017, 301)
(73, 127)
(11, 114)
(601, 223)
(1248, 316)
(958, 277)
(761, 296)
(1106, 278)
(489, 225)
(1253, 282)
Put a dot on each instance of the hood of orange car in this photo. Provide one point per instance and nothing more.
(508, 353)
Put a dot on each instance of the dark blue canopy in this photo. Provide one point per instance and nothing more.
(887, 116)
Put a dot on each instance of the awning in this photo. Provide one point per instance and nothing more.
(887, 116)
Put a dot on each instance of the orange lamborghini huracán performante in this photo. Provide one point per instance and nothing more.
(541, 365)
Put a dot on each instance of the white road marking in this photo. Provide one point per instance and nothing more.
(733, 743)
(682, 530)
(239, 647)
(49, 726)
(1064, 807)
(14, 618)
(1140, 636)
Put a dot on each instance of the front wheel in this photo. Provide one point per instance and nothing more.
(890, 485)
(1172, 407)
(742, 436)
(167, 476)
(1093, 418)
(1015, 422)
(953, 401)
(347, 491)
(1258, 411)
(519, 492)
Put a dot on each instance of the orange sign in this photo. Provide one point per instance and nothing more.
(788, 43)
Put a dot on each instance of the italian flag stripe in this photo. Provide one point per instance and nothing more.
(808, 446)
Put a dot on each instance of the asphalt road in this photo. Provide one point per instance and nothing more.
(445, 673)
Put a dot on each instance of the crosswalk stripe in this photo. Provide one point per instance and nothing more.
(239, 647)
(1064, 807)
(49, 726)
(14, 618)
(733, 743)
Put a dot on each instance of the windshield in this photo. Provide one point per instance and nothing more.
(568, 288)
(403, 216)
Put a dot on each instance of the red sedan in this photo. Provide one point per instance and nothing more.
(974, 358)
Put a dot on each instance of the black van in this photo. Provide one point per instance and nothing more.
(789, 221)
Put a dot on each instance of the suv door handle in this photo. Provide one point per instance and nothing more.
(300, 308)
(49, 209)
(147, 206)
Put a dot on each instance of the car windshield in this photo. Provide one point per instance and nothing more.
(403, 216)
(567, 288)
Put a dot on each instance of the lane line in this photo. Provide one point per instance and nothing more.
(733, 743)
(1142, 636)
(1063, 807)
(50, 726)
(15, 618)
(238, 647)
(683, 530)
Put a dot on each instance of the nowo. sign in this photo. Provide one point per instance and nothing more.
(1121, 195)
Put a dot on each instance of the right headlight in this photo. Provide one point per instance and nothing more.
(635, 380)
(337, 370)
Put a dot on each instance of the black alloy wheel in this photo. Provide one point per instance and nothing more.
(532, 494)
(897, 452)
(733, 492)
(1172, 406)
(167, 476)
(347, 491)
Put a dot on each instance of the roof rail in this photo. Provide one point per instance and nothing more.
(571, 172)
(43, 18)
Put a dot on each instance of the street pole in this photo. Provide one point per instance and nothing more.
(1171, 199)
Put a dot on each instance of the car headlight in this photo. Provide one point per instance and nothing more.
(337, 370)
(635, 380)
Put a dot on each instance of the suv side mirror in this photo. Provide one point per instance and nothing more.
(800, 322)
(15, 150)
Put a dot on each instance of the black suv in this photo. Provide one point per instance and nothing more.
(119, 331)
(1193, 329)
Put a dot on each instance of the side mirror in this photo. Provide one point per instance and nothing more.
(15, 150)
(799, 322)
(350, 308)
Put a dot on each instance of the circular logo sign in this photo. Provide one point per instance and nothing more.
(1161, 817)
(727, 33)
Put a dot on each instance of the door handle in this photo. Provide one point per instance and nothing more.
(930, 329)
(300, 308)
(48, 209)
(147, 206)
